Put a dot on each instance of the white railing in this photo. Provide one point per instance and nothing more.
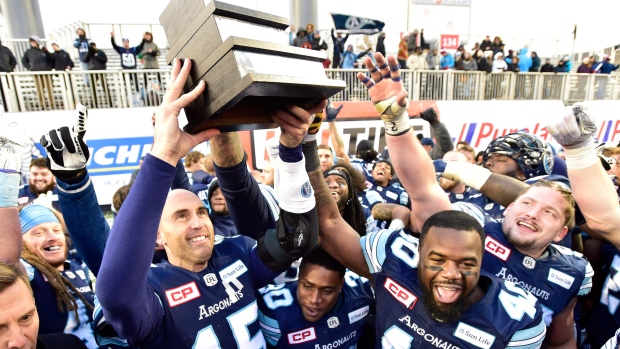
(35, 91)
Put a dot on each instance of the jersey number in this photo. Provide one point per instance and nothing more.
(276, 296)
(405, 247)
(516, 306)
(238, 322)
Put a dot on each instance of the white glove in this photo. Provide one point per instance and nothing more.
(10, 157)
(575, 128)
(44, 200)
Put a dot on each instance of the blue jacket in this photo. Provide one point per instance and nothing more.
(525, 60)
(447, 62)
(82, 46)
(605, 67)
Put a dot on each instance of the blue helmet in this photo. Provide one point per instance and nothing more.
(532, 154)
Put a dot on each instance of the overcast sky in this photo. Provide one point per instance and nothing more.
(539, 23)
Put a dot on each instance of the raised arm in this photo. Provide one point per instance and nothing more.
(415, 169)
(127, 258)
(592, 189)
(399, 215)
(249, 209)
(334, 134)
(67, 155)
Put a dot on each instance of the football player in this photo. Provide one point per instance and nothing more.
(324, 307)
(519, 249)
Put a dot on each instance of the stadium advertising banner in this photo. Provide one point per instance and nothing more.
(118, 138)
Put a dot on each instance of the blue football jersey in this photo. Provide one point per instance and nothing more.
(284, 325)
(25, 196)
(213, 308)
(364, 168)
(614, 342)
(471, 195)
(507, 316)
(555, 278)
(392, 195)
(605, 318)
(51, 320)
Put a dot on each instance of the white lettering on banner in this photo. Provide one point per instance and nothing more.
(182, 294)
(429, 337)
(474, 336)
(205, 312)
(101, 156)
(539, 293)
(337, 343)
(495, 248)
(560, 278)
(126, 154)
(302, 336)
(358, 314)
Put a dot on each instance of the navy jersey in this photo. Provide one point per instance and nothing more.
(606, 315)
(613, 343)
(555, 278)
(213, 308)
(471, 195)
(364, 168)
(51, 320)
(284, 325)
(392, 195)
(128, 55)
(507, 316)
(370, 220)
(25, 196)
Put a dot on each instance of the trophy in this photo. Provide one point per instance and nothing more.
(244, 57)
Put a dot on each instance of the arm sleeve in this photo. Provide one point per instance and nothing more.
(444, 141)
(12, 61)
(76, 43)
(529, 338)
(129, 303)
(586, 285)
(268, 321)
(181, 181)
(87, 227)
(26, 61)
(114, 45)
(247, 206)
(374, 247)
(71, 64)
(140, 47)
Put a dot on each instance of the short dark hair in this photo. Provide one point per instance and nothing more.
(10, 274)
(386, 162)
(119, 196)
(319, 257)
(453, 219)
(38, 162)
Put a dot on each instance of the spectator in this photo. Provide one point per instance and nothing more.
(468, 63)
(316, 43)
(486, 44)
(309, 30)
(535, 62)
(561, 67)
(415, 39)
(150, 51)
(585, 67)
(475, 49)
(432, 60)
(460, 49)
(525, 60)
(514, 66)
(339, 46)
(81, 43)
(37, 58)
(7, 59)
(547, 67)
(447, 61)
(417, 60)
(380, 43)
(604, 66)
(497, 45)
(458, 61)
(403, 51)
(482, 63)
(96, 58)
(349, 58)
(62, 60)
(41, 182)
(302, 38)
(569, 63)
(508, 58)
(499, 65)
(128, 57)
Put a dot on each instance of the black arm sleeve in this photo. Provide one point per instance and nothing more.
(444, 141)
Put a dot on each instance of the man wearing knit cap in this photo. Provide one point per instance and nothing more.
(62, 60)
(37, 58)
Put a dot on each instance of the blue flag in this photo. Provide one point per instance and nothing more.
(346, 24)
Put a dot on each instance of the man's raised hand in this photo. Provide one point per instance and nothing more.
(386, 91)
(170, 143)
(574, 128)
(67, 154)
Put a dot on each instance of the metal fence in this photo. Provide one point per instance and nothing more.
(35, 91)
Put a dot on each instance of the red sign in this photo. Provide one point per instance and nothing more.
(302, 336)
(182, 294)
(495, 248)
(400, 293)
(449, 41)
